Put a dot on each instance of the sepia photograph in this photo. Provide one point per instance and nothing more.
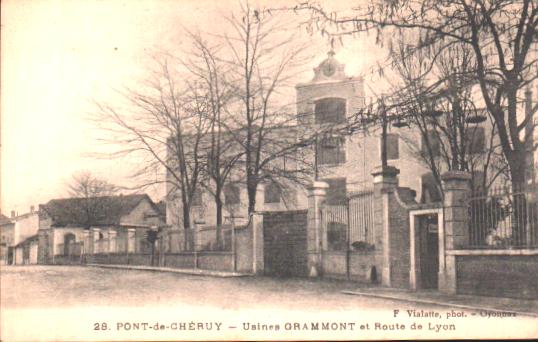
(203, 170)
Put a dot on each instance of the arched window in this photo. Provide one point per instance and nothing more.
(330, 110)
(69, 240)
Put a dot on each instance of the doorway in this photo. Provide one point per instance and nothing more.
(426, 248)
(429, 251)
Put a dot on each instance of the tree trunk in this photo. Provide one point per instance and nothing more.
(186, 227)
(218, 204)
(252, 187)
(518, 167)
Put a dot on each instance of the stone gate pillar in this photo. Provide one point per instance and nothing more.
(94, 239)
(86, 241)
(131, 240)
(385, 183)
(112, 242)
(456, 188)
(316, 196)
(257, 243)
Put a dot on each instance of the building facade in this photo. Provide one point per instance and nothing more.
(118, 224)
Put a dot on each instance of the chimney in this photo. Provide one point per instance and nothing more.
(13, 214)
(32, 208)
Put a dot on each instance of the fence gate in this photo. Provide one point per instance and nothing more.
(284, 240)
(349, 226)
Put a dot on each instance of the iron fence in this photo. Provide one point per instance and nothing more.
(349, 226)
(504, 217)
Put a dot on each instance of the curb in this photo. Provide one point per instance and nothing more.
(438, 303)
(175, 270)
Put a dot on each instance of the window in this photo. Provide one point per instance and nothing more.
(330, 110)
(197, 198)
(393, 149)
(430, 191)
(475, 138)
(231, 194)
(435, 144)
(272, 193)
(336, 193)
(331, 150)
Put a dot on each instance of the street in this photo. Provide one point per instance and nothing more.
(90, 303)
(72, 286)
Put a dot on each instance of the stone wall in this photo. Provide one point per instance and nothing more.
(217, 261)
(498, 275)
(360, 266)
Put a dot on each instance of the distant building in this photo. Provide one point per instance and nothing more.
(6, 240)
(344, 161)
(15, 231)
(72, 227)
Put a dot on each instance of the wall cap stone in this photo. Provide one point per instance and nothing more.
(389, 171)
(456, 175)
(318, 185)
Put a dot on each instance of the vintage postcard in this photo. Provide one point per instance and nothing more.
(268, 170)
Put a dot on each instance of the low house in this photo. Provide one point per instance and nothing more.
(26, 251)
(15, 233)
(6, 240)
(73, 228)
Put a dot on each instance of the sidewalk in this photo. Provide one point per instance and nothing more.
(200, 272)
(518, 306)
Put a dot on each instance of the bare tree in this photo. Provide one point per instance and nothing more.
(221, 152)
(265, 58)
(162, 124)
(502, 36)
(437, 99)
(92, 196)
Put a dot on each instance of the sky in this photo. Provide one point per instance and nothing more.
(60, 56)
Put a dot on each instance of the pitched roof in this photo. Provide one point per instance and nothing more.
(33, 238)
(85, 212)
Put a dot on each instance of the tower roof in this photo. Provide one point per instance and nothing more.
(329, 69)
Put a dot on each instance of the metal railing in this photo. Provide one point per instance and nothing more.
(349, 226)
(504, 218)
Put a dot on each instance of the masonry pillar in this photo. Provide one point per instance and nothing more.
(385, 182)
(43, 255)
(316, 197)
(112, 234)
(86, 241)
(257, 243)
(95, 237)
(131, 240)
(174, 240)
(456, 188)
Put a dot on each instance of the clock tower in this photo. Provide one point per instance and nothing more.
(329, 82)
